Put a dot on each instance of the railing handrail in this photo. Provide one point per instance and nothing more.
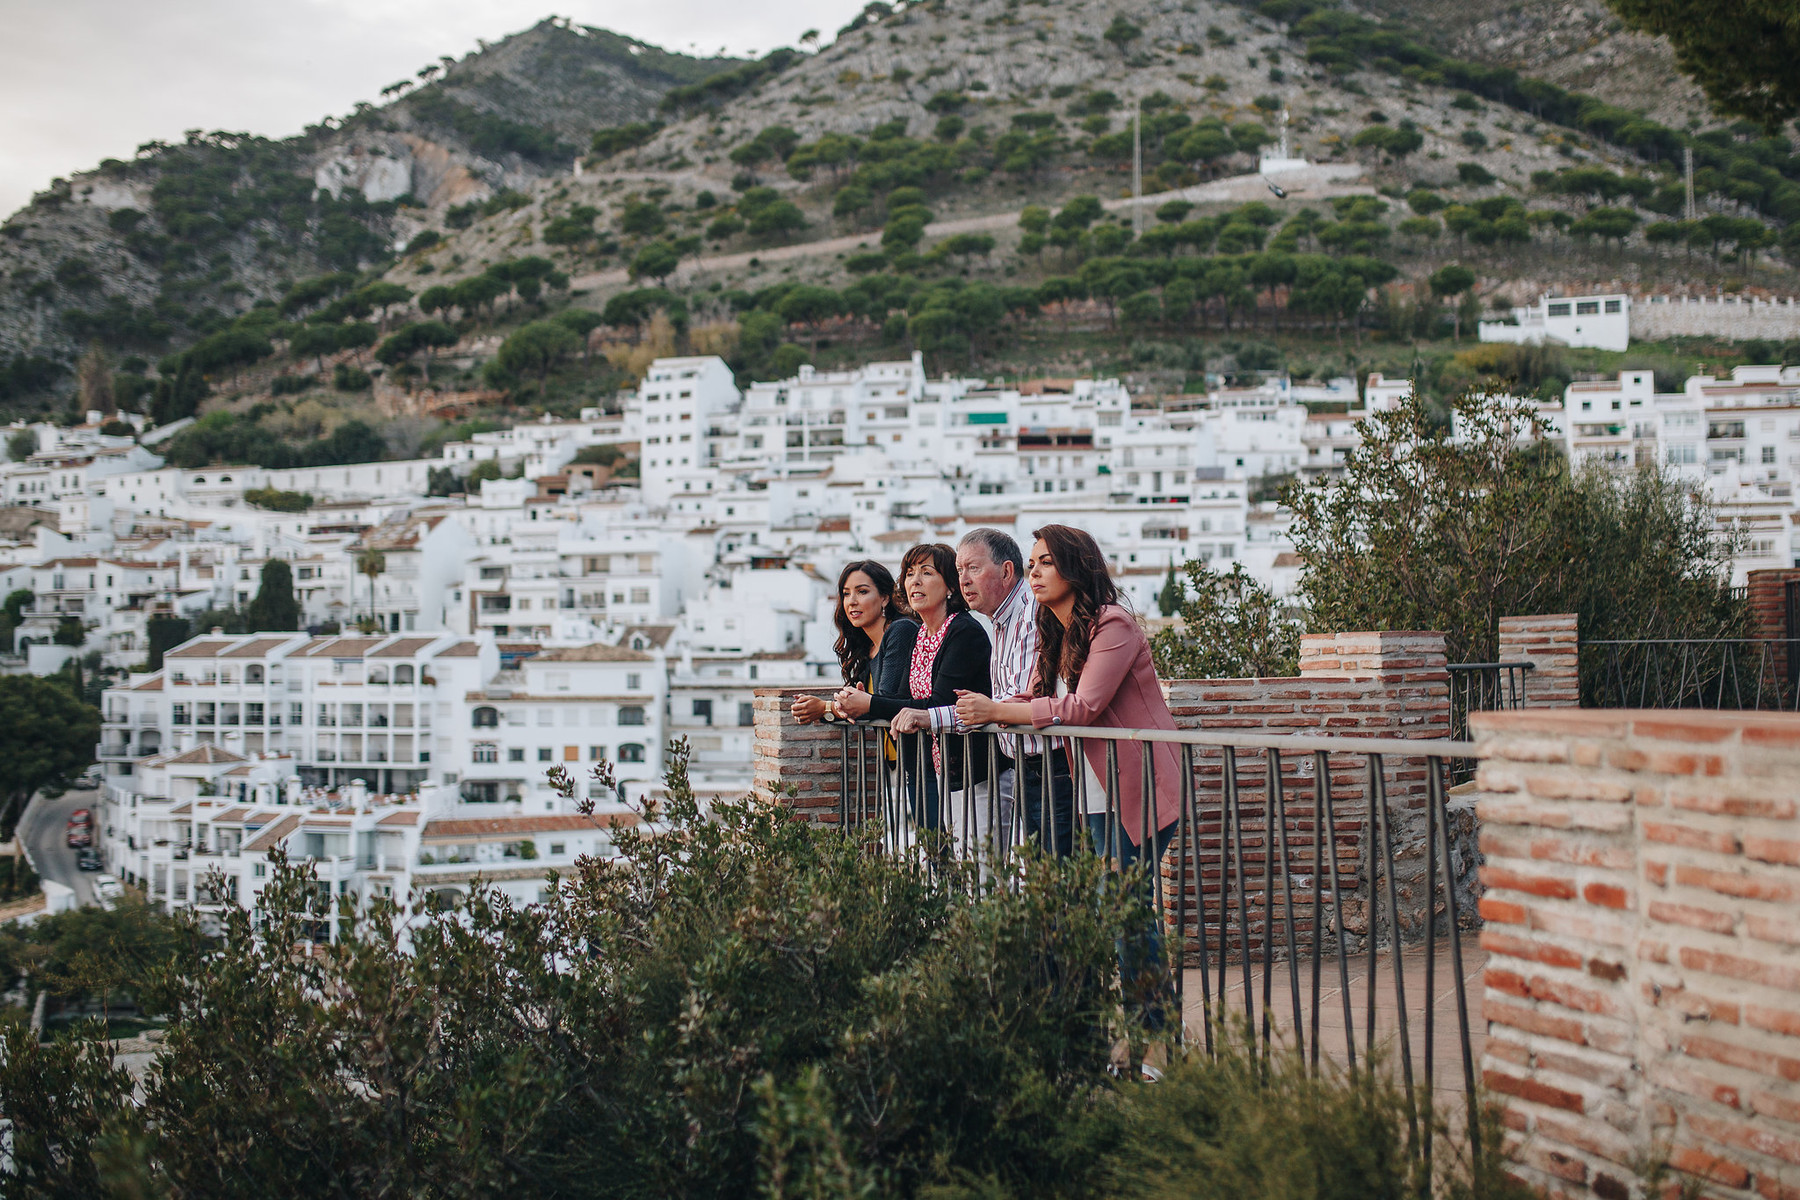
(1298, 742)
(1491, 666)
(1750, 641)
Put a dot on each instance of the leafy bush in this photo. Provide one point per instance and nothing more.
(737, 1005)
(276, 500)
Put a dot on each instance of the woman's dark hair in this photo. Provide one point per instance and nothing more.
(854, 649)
(943, 560)
(1063, 653)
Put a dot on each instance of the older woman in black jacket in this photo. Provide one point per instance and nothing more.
(950, 651)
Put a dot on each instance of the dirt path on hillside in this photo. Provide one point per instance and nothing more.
(1313, 183)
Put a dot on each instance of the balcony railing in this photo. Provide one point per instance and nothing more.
(1281, 881)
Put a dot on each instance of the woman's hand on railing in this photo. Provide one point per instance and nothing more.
(807, 709)
(910, 720)
(853, 702)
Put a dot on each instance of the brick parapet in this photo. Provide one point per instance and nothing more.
(1643, 979)
(1552, 645)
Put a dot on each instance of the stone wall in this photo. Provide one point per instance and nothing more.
(1643, 979)
(1654, 318)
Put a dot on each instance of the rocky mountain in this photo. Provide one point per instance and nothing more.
(581, 150)
(152, 253)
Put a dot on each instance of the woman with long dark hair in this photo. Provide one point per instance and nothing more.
(874, 642)
(950, 652)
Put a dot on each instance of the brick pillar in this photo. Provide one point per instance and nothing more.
(797, 765)
(1643, 981)
(1767, 591)
(1552, 645)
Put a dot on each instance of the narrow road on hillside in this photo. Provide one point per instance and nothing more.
(44, 830)
(1314, 183)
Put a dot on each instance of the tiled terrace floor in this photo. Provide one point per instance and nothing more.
(1447, 1067)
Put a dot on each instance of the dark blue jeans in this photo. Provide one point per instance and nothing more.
(1142, 973)
(1028, 796)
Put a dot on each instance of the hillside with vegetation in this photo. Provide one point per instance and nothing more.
(951, 181)
(165, 250)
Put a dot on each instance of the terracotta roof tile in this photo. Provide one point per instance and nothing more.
(404, 648)
(198, 650)
(256, 648)
(406, 817)
(459, 650)
(272, 835)
(594, 652)
(206, 754)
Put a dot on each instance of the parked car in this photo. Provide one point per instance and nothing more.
(108, 891)
(80, 834)
(88, 781)
(89, 860)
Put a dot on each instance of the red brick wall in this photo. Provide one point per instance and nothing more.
(1643, 984)
(1552, 644)
(1767, 590)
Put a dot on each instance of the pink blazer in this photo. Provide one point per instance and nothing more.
(1119, 690)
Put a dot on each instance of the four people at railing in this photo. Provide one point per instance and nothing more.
(1065, 652)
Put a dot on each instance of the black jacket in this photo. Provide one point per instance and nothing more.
(962, 662)
(893, 658)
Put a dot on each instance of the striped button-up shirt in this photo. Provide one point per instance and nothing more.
(1011, 662)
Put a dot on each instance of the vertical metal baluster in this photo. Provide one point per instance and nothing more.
(1268, 906)
(1321, 846)
(862, 774)
(843, 778)
(997, 835)
(1429, 1107)
(1115, 850)
(1372, 909)
(1190, 857)
(1147, 857)
(1287, 891)
(944, 812)
(966, 829)
(1226, 806)
(1393, 913)
(1436, 799)
(1078, 773)
(1243, 885)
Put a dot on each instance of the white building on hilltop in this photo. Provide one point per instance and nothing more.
(1600, 322)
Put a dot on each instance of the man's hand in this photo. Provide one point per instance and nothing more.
(972, 708)
(910, 720)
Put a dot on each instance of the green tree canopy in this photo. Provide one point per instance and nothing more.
(1741, 52)
(538, 347)
(1433, 529)
(275, 606)
(47, 738)
(1231, 627)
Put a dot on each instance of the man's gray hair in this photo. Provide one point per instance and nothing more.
(1000, 548)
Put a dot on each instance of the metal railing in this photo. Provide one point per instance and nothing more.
(1756, 674)
(1282, 868)
(1484, 687)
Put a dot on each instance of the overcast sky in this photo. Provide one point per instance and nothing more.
(83, 80)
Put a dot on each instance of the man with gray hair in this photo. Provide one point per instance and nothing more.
(991, 572)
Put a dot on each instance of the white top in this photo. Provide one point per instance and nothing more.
(1096, 791)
